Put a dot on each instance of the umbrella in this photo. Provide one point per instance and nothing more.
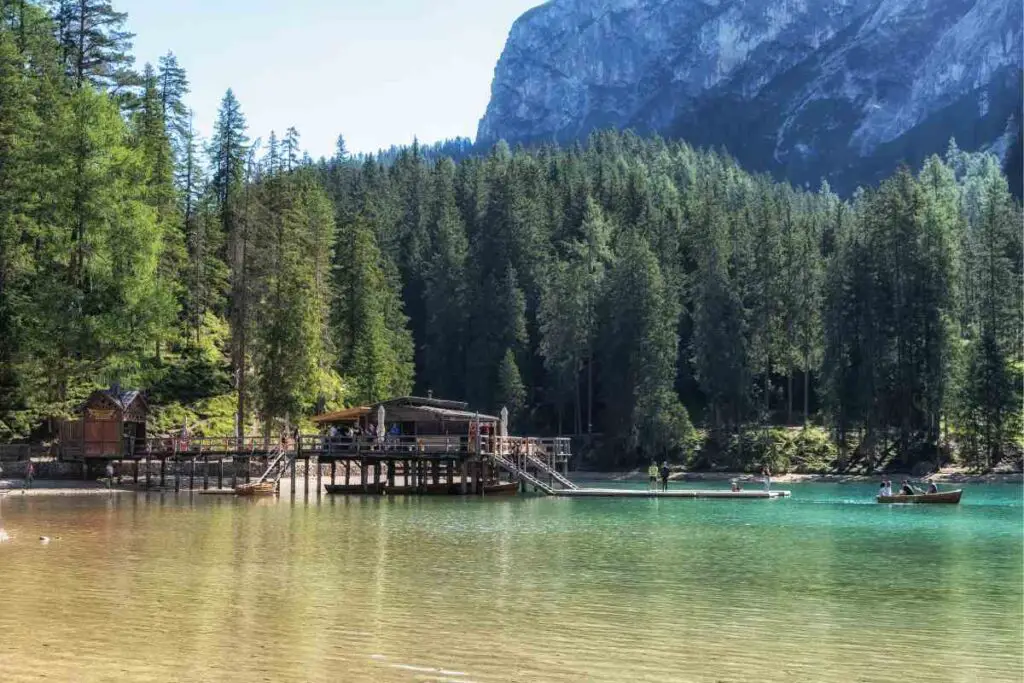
(380, 423)
(503, 429)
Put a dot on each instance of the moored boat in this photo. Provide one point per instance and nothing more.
(949, 497)
(372, 489)
(259, 488)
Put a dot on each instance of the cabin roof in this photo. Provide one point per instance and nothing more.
(423, 401)
(449, 414)
(123, 399)
(345, 415)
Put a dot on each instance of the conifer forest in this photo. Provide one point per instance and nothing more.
(651, 299)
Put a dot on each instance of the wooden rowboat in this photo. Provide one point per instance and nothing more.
(354, 488)
(950, 497)
(261, 488)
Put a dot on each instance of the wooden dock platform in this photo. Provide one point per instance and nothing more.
(678, 493)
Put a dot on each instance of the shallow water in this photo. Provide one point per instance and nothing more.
(824, 586)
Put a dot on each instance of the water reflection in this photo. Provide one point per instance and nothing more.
(166, 587)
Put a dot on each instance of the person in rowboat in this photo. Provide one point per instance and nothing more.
(887, 490)
(906, 489)
(932, 488)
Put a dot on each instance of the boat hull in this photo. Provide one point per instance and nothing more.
(265, 488)
(946, 497)
(355, 489)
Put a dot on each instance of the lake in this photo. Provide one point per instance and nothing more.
(823, 586)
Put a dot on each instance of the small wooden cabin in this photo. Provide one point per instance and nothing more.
(111, 423)
(418, 416)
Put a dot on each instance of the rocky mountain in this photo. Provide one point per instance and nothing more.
(806, 89)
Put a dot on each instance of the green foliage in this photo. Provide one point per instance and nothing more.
(613, 289)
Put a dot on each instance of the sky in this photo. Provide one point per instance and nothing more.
(378, 72)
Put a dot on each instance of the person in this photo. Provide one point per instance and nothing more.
(906, 489)
(887, 487)
(932, 488)
(881, 488)
(735, 486)
(30, 474)
(110, 474)
(767, 474)
(664, 475)
(652, 476)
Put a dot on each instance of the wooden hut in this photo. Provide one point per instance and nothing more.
(111, 422)
(419, 416)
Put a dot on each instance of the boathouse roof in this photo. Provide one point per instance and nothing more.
(423, 401)
(345, 415)
(122, 399)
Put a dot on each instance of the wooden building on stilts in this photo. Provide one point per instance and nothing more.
(414, 444)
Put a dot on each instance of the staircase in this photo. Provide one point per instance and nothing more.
(280, 464)
(551, 472)
(520, 473)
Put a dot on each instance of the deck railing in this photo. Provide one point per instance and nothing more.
(551, 450)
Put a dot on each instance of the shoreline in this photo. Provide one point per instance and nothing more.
(947, 476)
(66, 487)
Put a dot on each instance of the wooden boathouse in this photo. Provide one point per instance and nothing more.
(110, 423)
(414, 444)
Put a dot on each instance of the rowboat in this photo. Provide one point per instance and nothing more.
(951, 497)
(373, 488)
(260, 488)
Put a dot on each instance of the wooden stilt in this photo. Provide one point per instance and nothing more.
(163, 472)
(294, 483)
(305, 478)
(147, 473)
(436, 467)
(220, 472)
(391, 474)
(334, 464)
(192, 476)
(463, 473)
(319, 477)
(348, 468)
(135, 472)
(362, 473)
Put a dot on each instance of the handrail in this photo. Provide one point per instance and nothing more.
(543, 466)
(522, 474)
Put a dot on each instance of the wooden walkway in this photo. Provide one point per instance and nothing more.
(678, 493)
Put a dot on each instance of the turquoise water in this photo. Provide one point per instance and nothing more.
(824, 586)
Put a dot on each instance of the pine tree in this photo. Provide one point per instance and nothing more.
(445, 296)
(990, 401)
(641, 347)
(376, 348)
(232, 162)
(19, 127)
(95, 45)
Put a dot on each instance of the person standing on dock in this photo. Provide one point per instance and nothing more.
(766, 472)
(110, 474)
(664, 475)
(652, 476)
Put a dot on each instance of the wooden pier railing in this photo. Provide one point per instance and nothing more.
(547, 452)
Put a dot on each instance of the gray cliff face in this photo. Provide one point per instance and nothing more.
(843, 89)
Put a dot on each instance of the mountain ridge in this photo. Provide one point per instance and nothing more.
(843, 90)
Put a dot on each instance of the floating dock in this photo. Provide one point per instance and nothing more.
(679, 493)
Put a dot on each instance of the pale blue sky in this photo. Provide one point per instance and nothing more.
(377, 71)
